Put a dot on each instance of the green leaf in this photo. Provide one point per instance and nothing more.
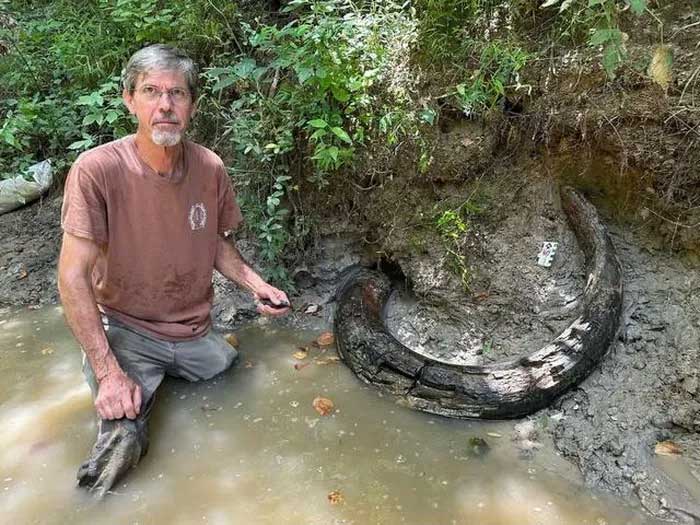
(549, 3)
(223, 82)
(611, 59)
(81, 144)
(601, 36)
(427, 116)
(303, 73)
(592, 3)
(318, 123)
(89, 119)
(341, 134)
(340, 94)
(318, 134)
(245, 67)
(333, 152)
(638, 6)
(111, 116)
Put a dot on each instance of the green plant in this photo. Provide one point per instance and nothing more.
(105, 116)
(59, 63)
(600, 20)
(453, 224)
(309, 94)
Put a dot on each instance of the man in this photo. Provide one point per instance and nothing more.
(145, 220)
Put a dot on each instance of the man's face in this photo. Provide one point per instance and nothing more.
(163, 106)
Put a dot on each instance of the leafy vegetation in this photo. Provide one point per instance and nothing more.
(599, 22)
(453, 225)
(291, 98)
(60, 69)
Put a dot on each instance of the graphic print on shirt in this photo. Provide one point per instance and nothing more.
(198, 216)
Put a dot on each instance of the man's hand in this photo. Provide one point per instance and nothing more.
(274, 296)
(118, 396)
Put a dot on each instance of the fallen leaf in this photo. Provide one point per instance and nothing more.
(311, 309)
(300, 354)
(299, 366)
(23, 274)
(661, 66)
(325, 339)
(46, 351)
(248, 364)
(667, 448)
(323, 405)
(335, 497)
(494, 434)
(232, 340)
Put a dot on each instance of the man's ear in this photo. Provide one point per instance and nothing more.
(128, 101)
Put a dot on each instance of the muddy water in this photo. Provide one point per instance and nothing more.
(249, 448)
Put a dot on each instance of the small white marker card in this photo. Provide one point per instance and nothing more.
(544, 258)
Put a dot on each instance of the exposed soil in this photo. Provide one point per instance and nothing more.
(645, 391)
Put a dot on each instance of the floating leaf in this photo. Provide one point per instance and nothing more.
(232, 340)
(667, 448)
(47, 351)
(300, 354)
(325, 339)
(299, 366)
(335, 497)
(477, 447)
(323, 405)
(660, 69)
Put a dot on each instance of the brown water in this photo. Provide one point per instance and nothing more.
(249, 448)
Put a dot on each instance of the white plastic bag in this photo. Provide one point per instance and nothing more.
(18, 191)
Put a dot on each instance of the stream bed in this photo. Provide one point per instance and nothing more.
(249, 447)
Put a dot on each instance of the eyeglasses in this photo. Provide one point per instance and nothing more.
(177, 94)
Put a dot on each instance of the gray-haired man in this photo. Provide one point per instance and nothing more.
(144, 220)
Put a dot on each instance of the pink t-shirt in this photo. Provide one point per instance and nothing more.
(157, 234)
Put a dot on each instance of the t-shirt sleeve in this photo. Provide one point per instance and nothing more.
(84, 210)
(230, 216)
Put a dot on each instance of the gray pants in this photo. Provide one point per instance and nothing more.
(146, 360)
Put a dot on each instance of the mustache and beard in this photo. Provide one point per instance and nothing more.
(164, 137)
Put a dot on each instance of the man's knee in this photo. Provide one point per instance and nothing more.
(204, 358)
(221, 360)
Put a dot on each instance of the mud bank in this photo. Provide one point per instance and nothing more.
(645, 391)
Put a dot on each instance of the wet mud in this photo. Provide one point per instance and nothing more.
(645, 390)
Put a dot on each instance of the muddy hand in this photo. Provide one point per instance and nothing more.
(117, 449)
(271, 301)
(118, 396)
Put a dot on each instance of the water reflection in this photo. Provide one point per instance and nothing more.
(249, 448)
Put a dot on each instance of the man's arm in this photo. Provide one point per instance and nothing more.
(118, 396)
(230, 263)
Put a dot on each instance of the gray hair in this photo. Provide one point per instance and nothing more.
(160, 57)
